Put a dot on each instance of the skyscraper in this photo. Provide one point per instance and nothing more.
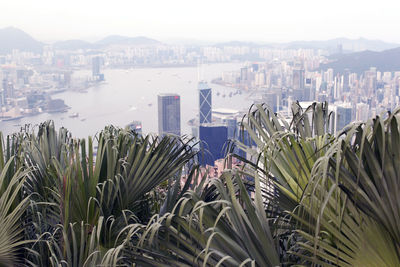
(298, 79)
(4, 85)
(343, 116)
(169, 114)
(8, 88)
(205, 103)
(273, 99)
(96, 63)
(95, 66)
(243, 75)
(362, 112)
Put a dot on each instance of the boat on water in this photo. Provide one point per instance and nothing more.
(12, 118)
(74, 115)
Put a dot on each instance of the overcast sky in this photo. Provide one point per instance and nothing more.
(211, 20)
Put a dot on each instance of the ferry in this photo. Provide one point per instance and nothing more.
(74, 115)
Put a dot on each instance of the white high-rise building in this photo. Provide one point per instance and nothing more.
(362, 112)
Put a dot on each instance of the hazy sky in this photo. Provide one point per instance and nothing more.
(213, 20)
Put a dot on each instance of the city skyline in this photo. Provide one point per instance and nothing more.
(36, 75)
(217, 21)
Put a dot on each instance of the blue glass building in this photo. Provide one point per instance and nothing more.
(343, 117)
(212, 143)
(205, 103)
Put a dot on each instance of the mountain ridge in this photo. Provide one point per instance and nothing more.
(119, 39)
(109, 40)
(352, 45)
(13, 38)
(387, 60)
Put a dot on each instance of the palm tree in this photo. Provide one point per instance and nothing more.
(13, 204)
(231, 230)
(304, 196)
(285, 153)
(353, 206)
(80, 201)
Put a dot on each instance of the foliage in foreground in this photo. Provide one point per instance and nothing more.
(301, 196)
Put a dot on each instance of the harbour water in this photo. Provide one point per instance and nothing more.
(131, 95)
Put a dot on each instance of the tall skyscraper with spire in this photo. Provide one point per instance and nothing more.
(205, 103)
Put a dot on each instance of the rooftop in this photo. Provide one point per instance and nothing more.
(168, 94)
(203, 85)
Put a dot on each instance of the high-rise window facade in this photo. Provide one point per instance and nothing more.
(169, 114)
(205, 103)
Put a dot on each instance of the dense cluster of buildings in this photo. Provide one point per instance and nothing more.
(213, 127)
(352, 96)
(28, 83)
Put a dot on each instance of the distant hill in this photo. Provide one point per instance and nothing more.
(13, 38)
(123, 40)
(239, 43)
(72, 45)
(348, 45)
(107, 41)
(388, 60)
(353, 45)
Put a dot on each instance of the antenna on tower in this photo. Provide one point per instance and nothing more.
(198, 69)
(202, 70)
